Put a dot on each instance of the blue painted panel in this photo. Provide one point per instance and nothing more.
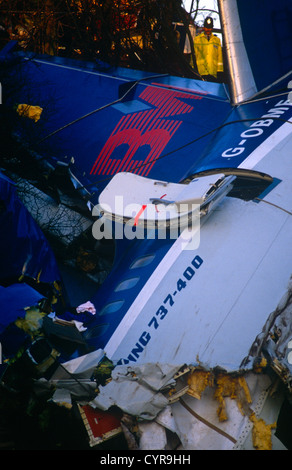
(23, 246)
(267, 26)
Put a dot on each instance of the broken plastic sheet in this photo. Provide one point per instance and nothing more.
(137, 390)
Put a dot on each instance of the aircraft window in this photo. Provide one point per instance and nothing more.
(127, 284)
(141, 262)
(112, 307)
(97, 330)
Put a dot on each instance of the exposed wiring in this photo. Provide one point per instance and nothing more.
(102, 107)
(272, 204)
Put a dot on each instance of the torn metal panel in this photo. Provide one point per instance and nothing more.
(198, 418)
(213, 410)
(83, 366)
(275, 340)
(137, 390)
(62, 397)
(199, 424)
(166, 419)
(154, 376)
(152, 436)
(131, 398)
(202, 409)
(76, 375)
(259, 432)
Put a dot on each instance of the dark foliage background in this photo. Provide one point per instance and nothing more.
(134, 33)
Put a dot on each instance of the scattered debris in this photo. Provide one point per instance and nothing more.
(50, 368)
(29, 111)
(150, 406)
(100, 425)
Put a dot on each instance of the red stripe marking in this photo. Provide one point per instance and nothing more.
(139, 214)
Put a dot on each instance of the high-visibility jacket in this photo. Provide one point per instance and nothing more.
(208, 54)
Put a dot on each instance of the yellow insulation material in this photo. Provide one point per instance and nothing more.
(198, 380)
(227, 386)
(261, 433)
(235, 388)
(32, 112)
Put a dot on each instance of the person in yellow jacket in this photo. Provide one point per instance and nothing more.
(208, 52)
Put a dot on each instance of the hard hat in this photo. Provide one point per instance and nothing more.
(208, 23)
